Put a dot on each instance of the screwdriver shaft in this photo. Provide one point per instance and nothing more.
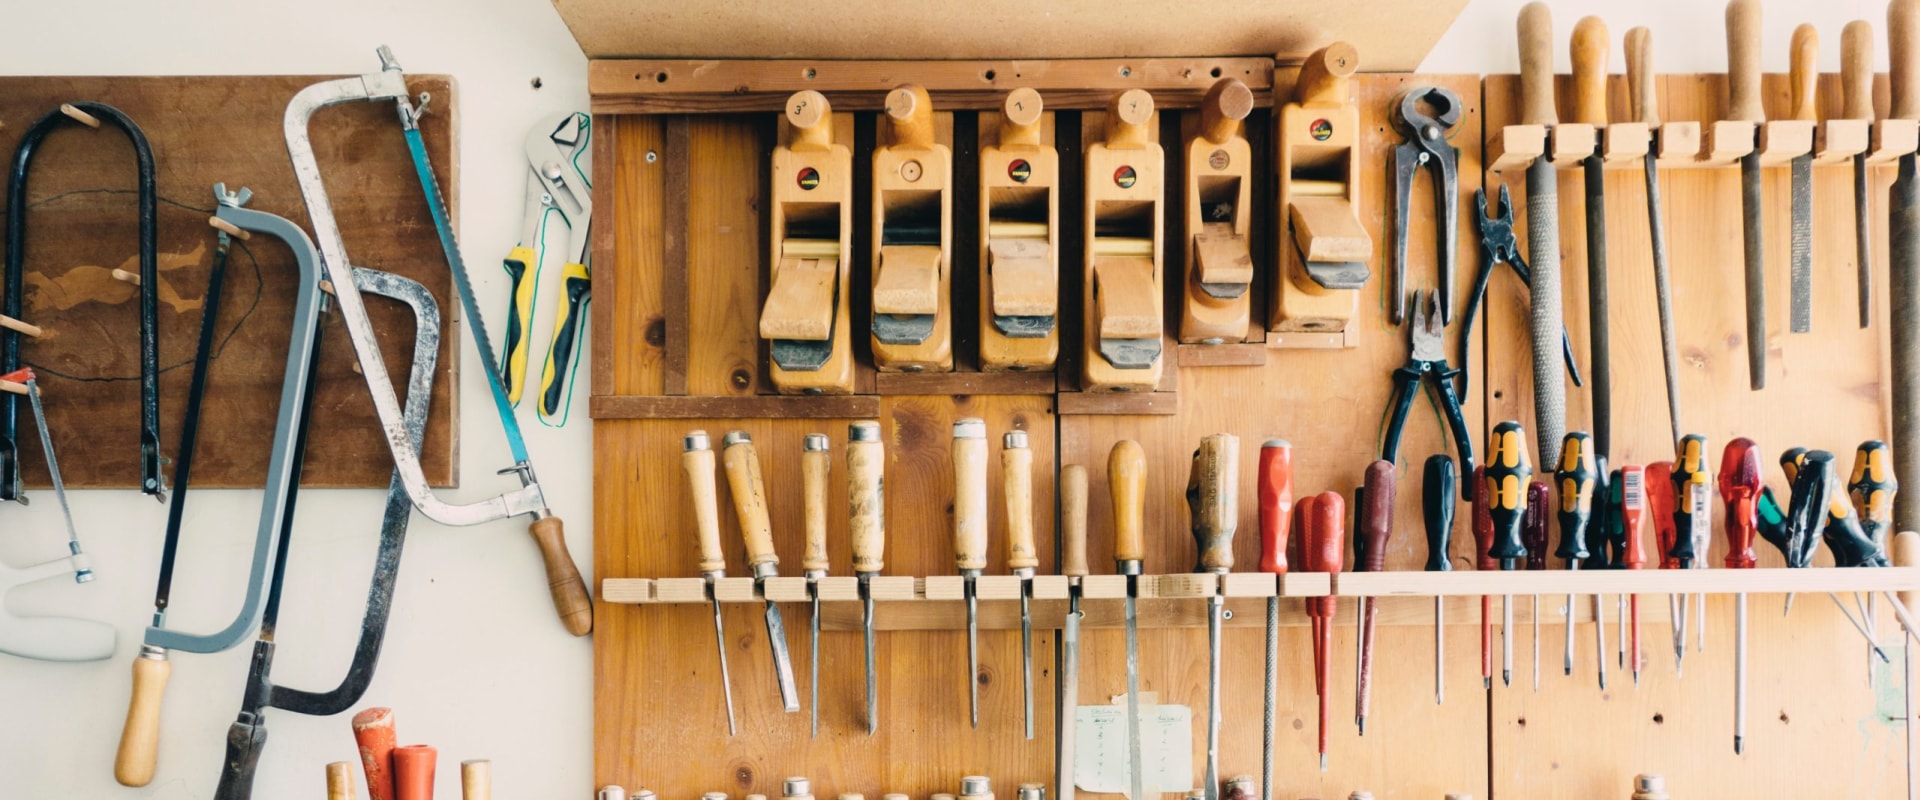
(1566, 661)
(1439, 650)
(1536, 642)
(1272, 687)
(1600, 638)
(1506, 640)
(1740, 674)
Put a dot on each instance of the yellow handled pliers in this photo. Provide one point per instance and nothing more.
(559, 192)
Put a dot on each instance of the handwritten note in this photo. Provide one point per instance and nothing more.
(1100, 757)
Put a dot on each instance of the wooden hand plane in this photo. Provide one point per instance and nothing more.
(1125, 183)
(912, 239)
(1019, 237)
(1219, 260)
(1323, 248)
(805, 318)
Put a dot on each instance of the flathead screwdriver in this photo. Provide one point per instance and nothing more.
(1633, 521)
(1740, 489)
(1482, 544)
(1274, 485)
(1375, 528)
(1533, 534)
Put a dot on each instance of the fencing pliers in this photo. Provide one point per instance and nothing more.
(1499, 246)
(559, 190)
(1429, 360)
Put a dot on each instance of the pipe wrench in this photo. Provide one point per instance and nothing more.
(559, 193)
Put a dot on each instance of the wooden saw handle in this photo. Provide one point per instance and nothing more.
(1856, 70)
(816, 466)
(1804, 73)
(1743, 62)
(866, 498)
(1016, 488)
(697, 461)
(749, 500)
(969, 451)
(1073, 520)
(1590, 52)
(1536, 65)
(1127, 483)
(569, 592)
(139, 750)
(1643, 96)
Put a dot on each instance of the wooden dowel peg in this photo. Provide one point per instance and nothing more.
(229, 228)
(340, 780)
(123, 275)
(32, 331)
(79, 116)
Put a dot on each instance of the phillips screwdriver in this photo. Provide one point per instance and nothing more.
(816, 466)
(1213, 485)
(1740, 489)
(1660, 507)
(1633, 523)
(1275, 486)
(969, 451)
(697, 461)
(750, 507)
(1375, 528)
(1871, 488)
(1693, 517)
(1436, 511)
(1323, 549)
(1016, 486)
(867, 525)
(1073, 565)
(1127, 486)
(1533, 534)
(1506, 484)
(1574, 482)
(1482, 544)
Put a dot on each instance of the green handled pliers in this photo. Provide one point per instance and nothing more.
(559, 193)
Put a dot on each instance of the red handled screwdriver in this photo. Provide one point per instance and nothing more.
(1376, 527)
(1323, 550)
(1633, 523)
(1740, 487)
(1275, 489)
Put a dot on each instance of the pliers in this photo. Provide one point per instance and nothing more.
(1426, 146)
(1500, 246)
(1429, 360)
(559, 189)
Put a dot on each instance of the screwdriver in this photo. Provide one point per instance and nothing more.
(1533, 534)
(1617, 540)
(1633, 523)
(1574, 479)
(696, 460)
(1436, 510)
(1507, 474)
(1740, 489)
(969, 450)
(1871, 488)
(867, 525)
(1375, 528)
(1482, 544)
(1693, 516)
(1127, 486)
(1213, 484)
(1323, 550)
(1016, 486)
(1660, 506)
(816, 466)
(1275, 486)
(750, 508)
(1073, 565)
(1794, 543)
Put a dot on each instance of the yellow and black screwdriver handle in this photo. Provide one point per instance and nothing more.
(1507, 473)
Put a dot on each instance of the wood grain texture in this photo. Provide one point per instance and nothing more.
(82, 222)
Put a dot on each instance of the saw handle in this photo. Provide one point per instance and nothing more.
(1590, 51)
(1436, 510)
(1275, 486)
(969, 452)
(1127, 483)
(816, 467)
(1376, 516)
(1016, 488)
(697, 461)
(1804, 73)
(139, 750)
(1743, 62)
(1643, 96)
(749, 492)
(1903, 75)
(1740, 485)
(1856, 70)
(866, 499)
(569, 592)
(1073, 521)
(1212, 486)
(1536, 65)
(1507, 473)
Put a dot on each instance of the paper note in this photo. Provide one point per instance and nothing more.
(1100, 758)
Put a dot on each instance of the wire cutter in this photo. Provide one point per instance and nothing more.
(1426, 146)
(1498, 244)
(559, 189)
(1428, 360)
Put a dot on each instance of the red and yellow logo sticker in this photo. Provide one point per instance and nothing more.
(1321, 130)
(1125, 177)
(1020, 171)
(809, 178)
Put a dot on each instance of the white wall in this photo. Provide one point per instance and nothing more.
(475, 662)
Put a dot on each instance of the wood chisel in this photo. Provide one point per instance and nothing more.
(1804, 76)
(1436, 511)
(1274, 484)
(756, 527)
(1644, 105)
(1903, 258)
(1590, 50)
(696, 459)
(1213, 488)
(1322, 549)
(1543, 232)
(1016, 486)
(1574, 480)
(1507, 474)
(867, 525)
(1375, 528)
(1743, 105)
(1856, 88)
(1073, 564)
(1127, 485)
(816, 466)
(969, 451)
(1740, 489)
(1533, 534)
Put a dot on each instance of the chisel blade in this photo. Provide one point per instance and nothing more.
(1800, 247)
(782, 660)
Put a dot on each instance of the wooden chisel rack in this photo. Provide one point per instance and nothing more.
(683, 270)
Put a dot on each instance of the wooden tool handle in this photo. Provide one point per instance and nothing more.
(413, 768)
(1129, 120)
(1633, 515)
(569, 592)
(1740, 484)
(809, 121)
(476, 779)
(697, 461)
(1020, 118)
(1376, 516)
(1016, 488)
(1804, 73)
(1643, 98)
(1743, 61)
(1903, 76)
(1856, 70)
(1906, 553)
(1274, 483)
(374, 736)
(1073, 521)
(1213, 484)
(1482, 524)
(139, 751)
(749, 492)
(910, 117)
(1590, 51)
(866, 496)
(1536, 65)
(1127, 483)
(1226, 104)
(1323, 76)
(969, 452)
(816, 465)
(340, 780)
(1329, 544)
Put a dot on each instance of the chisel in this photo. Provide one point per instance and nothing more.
(1803, 76)
(1633, 522)
(697, 461)
(1374, 529)
(1856, 88)
(1507, 473)
(816, 466)
(1275, 486)
(1016, 486)
(1127, 485)
(1574, 481)
(756, 528)
(1903, 258)
(1644, 106)
(969, 450)
(1590, 50)
(1073, 564)
(1213, 486)
(1533, 534)
(1743, 92)
(1436, 511)
(1322, 549)
(1543, 232)
(867, 526)
(1740, 489)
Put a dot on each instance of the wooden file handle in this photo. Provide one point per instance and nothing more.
(1129, 120)
(816, 466)
(1903, 34)
(1643, 96)
(910, 117)
(1275, 487)
(1073, 520)
(1856, 70)
(1213, 487)
(340, 780)
(1536, 65)
(1804, 73)
(749, 500)
(866, 498)
(1127, 483)
(1590, 51)
(476, 779)
(1016, 488)
(1020, 118)
(809, 121)
(569, 592)
(969, 451)
(1323, 77)
(697, 461)
(1743, 61)
(139, 751)
(1226, 104)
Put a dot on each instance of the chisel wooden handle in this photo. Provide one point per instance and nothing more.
(969, 451)
(1743, 62)
(1127, 483)
(1643, 94)
(340, 780)
(476, 779)
(1804, 73)
(569, 592)
(1275, 486)
(1536, 65)
(1016, 489)
(1376, 516)
(1020, 118)
(139, 750)
(1213, 487)
(1903, 59)
(749, 501)
(1073, 520)
(696, 459)
(1590, 51)
(910, 117)
(866, 500)
(1226, 104)
(1128, 116)
(809, 121)
(373, 734)
(816, 466)
(1856, 70)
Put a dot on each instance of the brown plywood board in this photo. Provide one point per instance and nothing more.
(83, 221)
(995, 29)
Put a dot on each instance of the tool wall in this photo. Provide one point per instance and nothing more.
(687, 261)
